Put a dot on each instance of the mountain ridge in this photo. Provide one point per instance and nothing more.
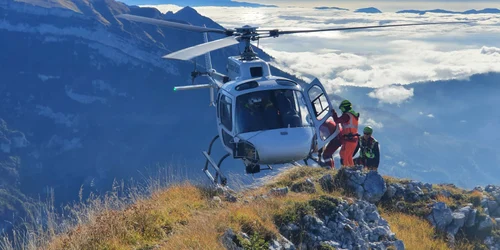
(301, 208)
(102, 107)
(472, 11)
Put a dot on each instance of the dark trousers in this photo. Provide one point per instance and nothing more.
(366, 163)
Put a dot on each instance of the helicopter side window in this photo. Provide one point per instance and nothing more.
(319, 102)
(225, 112)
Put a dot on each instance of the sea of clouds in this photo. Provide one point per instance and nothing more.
(384, 59)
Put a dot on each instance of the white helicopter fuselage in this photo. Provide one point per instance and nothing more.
(275, 139)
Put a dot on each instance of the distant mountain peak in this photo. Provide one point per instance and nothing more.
(330, 8)
(472, 11)
(368, 10)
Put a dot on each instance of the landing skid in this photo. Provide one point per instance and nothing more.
(219, 180)
(312, 158)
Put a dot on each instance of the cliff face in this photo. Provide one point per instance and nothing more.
(301, 208)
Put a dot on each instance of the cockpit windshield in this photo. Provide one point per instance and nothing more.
(271, 109)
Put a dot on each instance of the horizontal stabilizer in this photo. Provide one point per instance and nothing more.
(191, 87)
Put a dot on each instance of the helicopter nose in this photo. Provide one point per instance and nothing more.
(283, 145)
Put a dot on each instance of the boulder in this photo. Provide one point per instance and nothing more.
(306, 186)
(457, 223)
(486, 224)
(368, 186)
(471, 219)
(353, 224)
(440, 216)
(229, 240)
(374, 187)
(326, 183)
(279, 191)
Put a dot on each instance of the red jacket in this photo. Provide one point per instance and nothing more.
(348, 121)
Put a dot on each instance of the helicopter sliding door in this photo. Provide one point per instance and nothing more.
(320, 108)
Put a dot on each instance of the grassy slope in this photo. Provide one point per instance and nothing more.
(187, 217)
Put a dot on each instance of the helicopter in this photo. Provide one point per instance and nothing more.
(261, 118)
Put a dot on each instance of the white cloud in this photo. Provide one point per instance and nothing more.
(421, 113)
(371, 122)
(490, 51)
(392, 94)
(375, 58)
(430, 115)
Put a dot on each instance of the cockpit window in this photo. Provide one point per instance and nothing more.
(271, 109)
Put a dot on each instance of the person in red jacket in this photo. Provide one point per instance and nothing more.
(349, 135)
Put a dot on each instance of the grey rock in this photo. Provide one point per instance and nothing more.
(330, 243)
(391, 191)
(465, 210)
(229, 240)
(359, 192)
(497, 212)
(457, 223)
(489, 241)
(400, 205)
(491, 188)
(357, 177)
(445, 193)
(217, 199)
(484, 202)
(374, 187)
(306, 186)
(471, 219)
(399, 245)
(372, 216)
(274, 245)
(486, 224)
(230, 197)
(281, 243)
(326, 183)
(290, 230)
(279, 191)
(352, 225)
(492, 205)
(440, 216)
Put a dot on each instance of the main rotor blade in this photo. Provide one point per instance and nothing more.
(194, 51)
(277, 32)
(169, 24)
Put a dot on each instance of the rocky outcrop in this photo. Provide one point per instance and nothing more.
(346, 224)
(369, 186)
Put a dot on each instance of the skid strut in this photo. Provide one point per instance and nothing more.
(216, 166)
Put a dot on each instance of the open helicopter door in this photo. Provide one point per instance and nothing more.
(320, 108)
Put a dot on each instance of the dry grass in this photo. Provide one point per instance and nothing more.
(146, 223)
(292, 175)
(446, 200)
(415, 232)
(475, 198)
